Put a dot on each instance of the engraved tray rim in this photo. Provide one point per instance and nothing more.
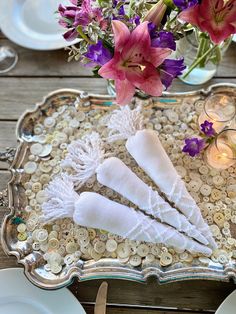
(105, 268)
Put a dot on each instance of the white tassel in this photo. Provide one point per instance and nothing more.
(61, 199)
(84, 156)
(124, 123)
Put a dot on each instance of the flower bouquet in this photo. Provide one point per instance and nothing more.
(130, 44)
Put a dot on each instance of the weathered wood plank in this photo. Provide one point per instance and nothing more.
(19, 94)
(7, 134)
(193, 295)
(45, 63)
(4, 178)
(134, 310)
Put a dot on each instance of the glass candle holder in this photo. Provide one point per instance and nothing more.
(221, 154)
(218, 109)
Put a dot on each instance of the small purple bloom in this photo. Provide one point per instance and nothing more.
(70, 35)
(193, 146)
(164, 40)
(170, 69)
(121, 10)
(185, 4)
(152, 29)
(98, 54)
(207, 128)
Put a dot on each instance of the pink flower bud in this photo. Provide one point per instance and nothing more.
(156, 13)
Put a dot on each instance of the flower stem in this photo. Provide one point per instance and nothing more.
(84, 36)
(199, 60)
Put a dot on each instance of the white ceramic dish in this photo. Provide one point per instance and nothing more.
(18, 295)
(33, 24)
(229, 305)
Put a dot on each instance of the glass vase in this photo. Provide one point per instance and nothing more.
(195, 46)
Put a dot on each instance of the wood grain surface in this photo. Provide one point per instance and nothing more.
(38, 73)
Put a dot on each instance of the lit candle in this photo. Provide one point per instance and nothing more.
(220, 156)
(213, 117)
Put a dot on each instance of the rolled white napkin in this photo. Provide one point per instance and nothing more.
(113, 173)
(93, 210)
(145, 147)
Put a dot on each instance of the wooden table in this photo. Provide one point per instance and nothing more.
(38, 73)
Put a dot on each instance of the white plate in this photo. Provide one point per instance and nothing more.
(229, 305)
(33, 23)
(19, 296)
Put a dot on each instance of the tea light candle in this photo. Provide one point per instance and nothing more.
(220, 156)
(213, 117)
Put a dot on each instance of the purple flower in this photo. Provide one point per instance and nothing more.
(193, 146)
(207, 128)
(185, 4)
(170, 69)
(163, 40)
(98, 54)
(121, 10)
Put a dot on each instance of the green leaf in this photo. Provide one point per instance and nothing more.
(169, 3)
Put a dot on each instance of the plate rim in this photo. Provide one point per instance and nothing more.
(11, 33)
(102, 269)
(68, 293)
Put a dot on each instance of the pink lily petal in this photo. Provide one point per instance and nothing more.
(158, 55)
(190, 15)
(216, 17)
(139, 43)
(124, 91)
(152, 85)
(121, 34)
(113, 69)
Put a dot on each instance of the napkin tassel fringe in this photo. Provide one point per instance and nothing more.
(61, 200)
(124, 123)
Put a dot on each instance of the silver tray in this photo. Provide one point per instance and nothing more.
(107, 267)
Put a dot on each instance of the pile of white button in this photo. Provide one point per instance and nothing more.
(64, 243)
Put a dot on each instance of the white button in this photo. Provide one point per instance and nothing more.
(218, 180)
(155, 250)
(99, 247)
(111, 245)
(96, 256)
(82, 233)
(123, 250)
(36, 149)
(56, 268)
(84, 241)
(71, 247)
(21, 227)
(41, 197)
(205, 190)
(203, 170)
(42, 235)
(142, 250)
(91, 233)
(194, 186)
(181, 171)
(36, 187)
(46, 150)
(53, 244)
(36, 246)
(30, 167)
(68, 259)
(135, 260)
(165, 259)
(49, 122)
(150, 258)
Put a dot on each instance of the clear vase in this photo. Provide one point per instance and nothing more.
(192, 47)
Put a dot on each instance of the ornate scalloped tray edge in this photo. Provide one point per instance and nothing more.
(104, 268)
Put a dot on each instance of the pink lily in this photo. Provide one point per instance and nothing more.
(134, 62)
(216, 17)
